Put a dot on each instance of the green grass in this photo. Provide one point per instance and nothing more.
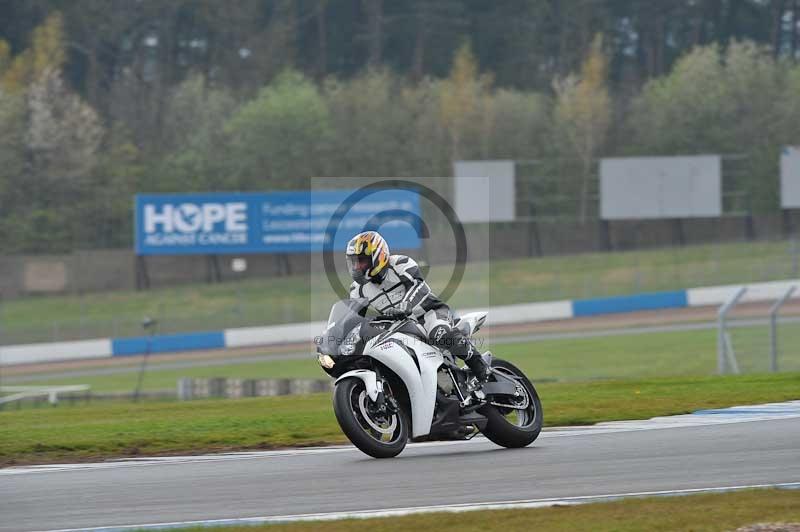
(647, 355)
(104, 430)
(289, 299)
(698, 513)
(164, 379)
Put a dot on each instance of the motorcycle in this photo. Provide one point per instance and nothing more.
(392, 386)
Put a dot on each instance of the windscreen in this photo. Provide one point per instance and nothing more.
(343, 317)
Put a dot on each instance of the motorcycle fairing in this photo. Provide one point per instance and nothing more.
(471, 322)
(416, 363)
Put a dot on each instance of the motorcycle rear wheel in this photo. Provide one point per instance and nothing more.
(379, 436)
(510, 427)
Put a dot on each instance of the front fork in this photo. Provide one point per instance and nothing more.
(376, 388)
(386, 400)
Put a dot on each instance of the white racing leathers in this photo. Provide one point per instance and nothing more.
(403, 287)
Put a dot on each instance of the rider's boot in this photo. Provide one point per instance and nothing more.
(476, 363)
(462, 347)
(478, 366)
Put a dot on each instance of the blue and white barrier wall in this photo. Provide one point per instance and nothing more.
(631, 303)
(303, 332)
(167, 343)
(55, 351)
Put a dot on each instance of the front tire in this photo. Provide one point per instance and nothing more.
(375, 434)
(510, 427)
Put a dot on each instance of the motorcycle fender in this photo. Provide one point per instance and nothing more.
(370, 381)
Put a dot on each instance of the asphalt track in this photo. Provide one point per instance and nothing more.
(600, 460)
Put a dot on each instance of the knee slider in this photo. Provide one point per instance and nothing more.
(440, 335)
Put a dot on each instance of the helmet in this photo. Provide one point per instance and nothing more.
(367, 257)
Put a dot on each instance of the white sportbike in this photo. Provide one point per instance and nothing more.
(392, 386)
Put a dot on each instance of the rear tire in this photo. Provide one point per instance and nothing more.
(373, 436)
(503, 431)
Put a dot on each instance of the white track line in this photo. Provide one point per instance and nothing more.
(736, 414)
(453, 508)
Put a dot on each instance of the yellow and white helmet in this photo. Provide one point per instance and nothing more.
(367, 257)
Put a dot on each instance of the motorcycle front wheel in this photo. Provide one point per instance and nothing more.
(520, 423)
(380, 434)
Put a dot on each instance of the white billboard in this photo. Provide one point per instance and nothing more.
(661, 187)
(484, 191)
(790, 178)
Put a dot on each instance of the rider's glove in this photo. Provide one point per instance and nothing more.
(400, 310)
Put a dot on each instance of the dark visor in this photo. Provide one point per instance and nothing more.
(359, 263)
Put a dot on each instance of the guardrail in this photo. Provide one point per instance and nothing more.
(19, 393)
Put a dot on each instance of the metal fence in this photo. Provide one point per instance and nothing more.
(767, 343)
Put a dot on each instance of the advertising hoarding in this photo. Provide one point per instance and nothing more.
(273, 222)
(484, 191)
(790, 178)
(661, 187)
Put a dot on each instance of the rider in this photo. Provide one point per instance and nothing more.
(395, 287)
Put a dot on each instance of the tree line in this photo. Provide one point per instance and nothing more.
(100, 100)
(244, 44)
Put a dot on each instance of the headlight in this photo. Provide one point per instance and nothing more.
(326, 361)
(348, 346)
